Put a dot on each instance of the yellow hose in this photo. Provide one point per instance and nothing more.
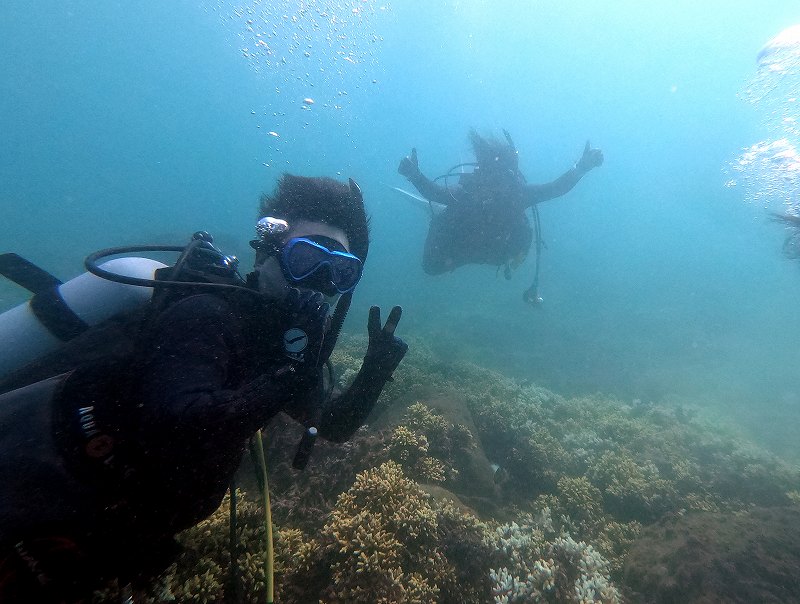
(261, 475)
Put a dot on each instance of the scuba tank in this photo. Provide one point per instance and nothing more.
(58, 311)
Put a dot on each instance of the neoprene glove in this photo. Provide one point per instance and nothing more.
(306, 321)
(409, 166)
(385, 350)
(591, 158)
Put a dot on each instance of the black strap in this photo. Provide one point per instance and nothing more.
(26, 274)
(47, 303)
(58, 318)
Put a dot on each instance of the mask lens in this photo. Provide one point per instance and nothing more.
(346, 271)
(320, 268)
(303, 258)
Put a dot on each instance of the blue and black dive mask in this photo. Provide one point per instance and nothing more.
(314, 261)
(320, 263)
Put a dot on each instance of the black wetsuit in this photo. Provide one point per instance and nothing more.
(484, 221)
(210, 372)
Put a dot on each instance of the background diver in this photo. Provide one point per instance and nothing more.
(483, 220)
(102, 466)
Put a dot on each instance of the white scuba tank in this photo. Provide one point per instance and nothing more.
(24, 338)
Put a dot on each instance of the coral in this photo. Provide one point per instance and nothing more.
(465, 542)
(388, 541)
(304, 499)
(586, 570)
(632, 491)
(561, 570)
(423, 444)
(614, 541)
(431, 469)
(581, 501)
(380, 542)
(579, 480)
(201, 572)
(420, 417)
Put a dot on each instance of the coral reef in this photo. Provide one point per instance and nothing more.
(562, 490)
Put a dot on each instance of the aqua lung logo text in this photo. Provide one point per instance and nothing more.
(99, 445)
(86, 420)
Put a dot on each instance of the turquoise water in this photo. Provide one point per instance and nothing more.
(662, 280)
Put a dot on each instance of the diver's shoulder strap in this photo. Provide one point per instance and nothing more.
(47, 303)
(57, 317)
(26, 274)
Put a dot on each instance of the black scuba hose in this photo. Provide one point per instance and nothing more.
(339, 315)
(91, 264)
(446, 176)
(187, 251)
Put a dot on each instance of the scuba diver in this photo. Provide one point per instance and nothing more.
(481, 218)
(104, 464)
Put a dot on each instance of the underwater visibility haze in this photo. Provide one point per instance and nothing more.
(670, 296)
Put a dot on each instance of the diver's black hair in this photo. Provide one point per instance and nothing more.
(490, 150)
(321, 199)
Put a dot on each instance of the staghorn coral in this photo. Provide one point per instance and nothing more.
(423, 444)
(582, 502)
(388, 541)
(419, 417)
(467, 546)
(380, 541)
(432, 470)
(201, 574)
(614, 541)
(538, 570)
(632, 491)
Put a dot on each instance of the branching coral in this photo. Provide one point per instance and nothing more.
(582, 502)
(632, 491)
(381, 541)
(387, 541)
(424, 444)
(561, 570)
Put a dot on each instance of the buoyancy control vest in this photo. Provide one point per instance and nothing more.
(111, 335)
(86, 370)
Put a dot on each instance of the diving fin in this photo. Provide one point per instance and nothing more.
(434, 207)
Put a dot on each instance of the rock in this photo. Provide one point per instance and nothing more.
(704, 557)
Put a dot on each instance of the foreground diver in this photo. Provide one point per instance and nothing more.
(101, 467)
(484, 220)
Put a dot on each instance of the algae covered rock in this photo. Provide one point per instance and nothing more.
(742, 557)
